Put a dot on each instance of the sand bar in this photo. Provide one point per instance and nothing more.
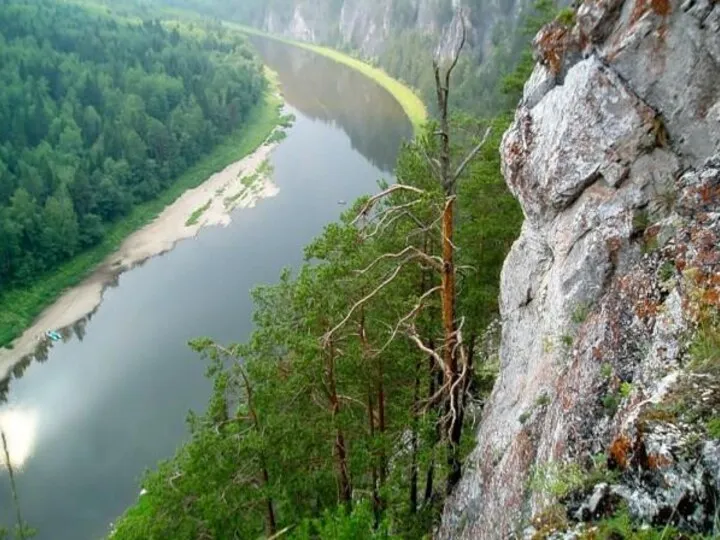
(240, 185)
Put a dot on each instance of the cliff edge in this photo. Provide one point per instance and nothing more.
(608, 398)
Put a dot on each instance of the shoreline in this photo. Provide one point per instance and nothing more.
(241, 184)
(414, 107)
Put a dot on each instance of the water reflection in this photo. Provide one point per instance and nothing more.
(325, 90)
(20, 429)
(96, 411)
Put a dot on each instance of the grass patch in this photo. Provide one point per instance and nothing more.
(410, 102)
(265, 169)
(713, 427)
(20, 306)
(197, 214)
(567, 16)
(560, 480)
(249, 181)
(705, 348)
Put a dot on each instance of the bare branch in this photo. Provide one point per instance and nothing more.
(361, 302)
(413, 313)
(432, 400)
(352, 400)
(398, 212)
(415, 254)
(456, 57)
(461, 168)
(280, 533)
(424, 348)
(375, 198)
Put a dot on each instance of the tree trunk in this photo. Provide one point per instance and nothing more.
(414, 440)
(382, 422)
(435, 381)
(340, 450)
(13, 487)
(453, 424)
(374, 471)
(270, 522)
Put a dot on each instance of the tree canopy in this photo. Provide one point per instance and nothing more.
(101, 114)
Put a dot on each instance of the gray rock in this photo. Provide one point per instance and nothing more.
(595, 159)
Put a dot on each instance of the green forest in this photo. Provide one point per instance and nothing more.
(349, 411)
(100, 115)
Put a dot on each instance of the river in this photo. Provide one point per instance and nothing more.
(101, 407)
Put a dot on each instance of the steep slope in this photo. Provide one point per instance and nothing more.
(609, 389)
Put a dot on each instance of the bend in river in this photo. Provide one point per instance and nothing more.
(94, 412)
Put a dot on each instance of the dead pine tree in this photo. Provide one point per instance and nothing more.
(451, 354)
(454, 353)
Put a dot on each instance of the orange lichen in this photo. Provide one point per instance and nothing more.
(621, 451)
(646, 309)
(656, 461)
(552, 44)
(660, 7)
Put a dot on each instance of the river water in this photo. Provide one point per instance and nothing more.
(111, 400)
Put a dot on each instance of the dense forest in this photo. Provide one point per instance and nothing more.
(349, 411)
(98, 116)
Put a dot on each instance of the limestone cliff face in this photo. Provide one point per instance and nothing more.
(368, 25)
(614, 156)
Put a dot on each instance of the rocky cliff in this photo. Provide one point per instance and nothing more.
(367, 26)
(609, 392)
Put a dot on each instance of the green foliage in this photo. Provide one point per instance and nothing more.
(606, 370)
(641, 221)
(610, 403)
(626, 389)
(621, 525)
(287, 120)
(666, 271)
(105, 116)
(567, 16)
(559, 480)
(277, 136)
(713, 427)
(337, 524)
(705, 347)
(581, 312)
(197, 214)
(20, 305)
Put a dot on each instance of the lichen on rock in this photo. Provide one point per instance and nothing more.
(612, 291)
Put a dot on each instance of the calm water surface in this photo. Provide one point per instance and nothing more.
(111, 400)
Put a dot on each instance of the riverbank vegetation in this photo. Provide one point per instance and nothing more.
(408, 99)
(349, 411)
(110, 122)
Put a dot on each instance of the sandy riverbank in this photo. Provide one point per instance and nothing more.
(240, 185)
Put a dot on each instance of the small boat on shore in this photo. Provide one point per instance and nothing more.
(54, 336)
